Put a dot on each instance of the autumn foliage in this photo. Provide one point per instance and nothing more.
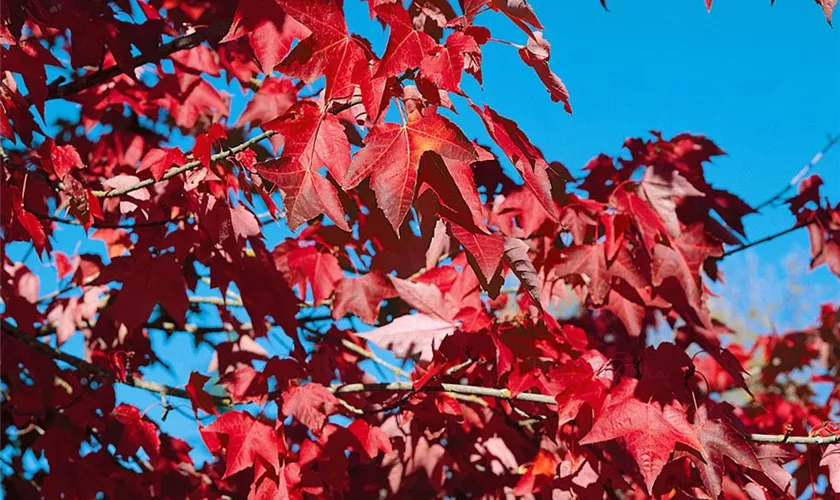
(410, 240)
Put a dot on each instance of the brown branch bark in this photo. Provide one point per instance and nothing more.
(212, 33)
(469, 391)
(771, 237)
(96, 370)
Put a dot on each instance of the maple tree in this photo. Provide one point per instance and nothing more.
(400, 222)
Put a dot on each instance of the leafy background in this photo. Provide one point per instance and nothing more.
(761, 82)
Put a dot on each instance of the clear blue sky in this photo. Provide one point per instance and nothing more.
(761, 81)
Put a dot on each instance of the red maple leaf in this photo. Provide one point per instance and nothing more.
(244, 440)
(649, 431)
(391, 157)
(313, 139)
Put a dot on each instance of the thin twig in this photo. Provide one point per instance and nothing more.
(801, 174)
(103, 75)
(173, 172)
(452, 389)
(771, 237)
(92, 369)
(785, 439)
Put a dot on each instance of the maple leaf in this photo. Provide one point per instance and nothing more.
(59, 159)
(159, 160)
(541, 472)
(831, 459)
(200, 398)
(274, 97)
(245, 385)
(485, 249)
(413, 334)
(828, 9)
(330, 51)
(454, 186)
(310, 404)
(362, 296)
(519, 12)
(203, 147)
(516, 256)
(146, 281)
(526, 157)
(391, 157)
(313, 139)
(136, 432)
(662, 189)
(444, 65)
(373, 439)
(589, 262)
(319, 269)
(536, 54)
(719, 439)
(244, 439)
(407, 46)
(648, 430)
(270, 32)
(426, 298)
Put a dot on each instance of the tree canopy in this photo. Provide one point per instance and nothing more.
(421, 350)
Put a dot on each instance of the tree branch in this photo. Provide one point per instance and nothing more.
(771, 237)
(212, 33)
(92, 369)
(801, 174)
(186, 167)
(470, 391)
(785, 439)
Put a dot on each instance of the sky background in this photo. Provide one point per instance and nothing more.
(760, 81)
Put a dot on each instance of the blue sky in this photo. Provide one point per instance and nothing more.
(761, 81)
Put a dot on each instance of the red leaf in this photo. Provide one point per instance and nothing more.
(159, 161)
(443, 67)
(648, 430)
(244, 439)
(720, 439)
(589, 262)
(407, 46)
(362, 296)
(831, 459)
(526, 157)
(516, 256)
(272, 99)
(59, 159)
(269, 31)
(539, 475)
(373, 439)
(485, 249)
(412, 334)
(330, 51)
(63, 264)
(426, 298)
(391, 157)
(319, 269)
(313, 139)
(310, 404)
(200, 398)
(536, 55)
(203, 147)
(136, 433)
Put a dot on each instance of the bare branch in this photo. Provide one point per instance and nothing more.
(801, 174)
(96, 370)
(185, 42)
(771, 237)
(469, 391)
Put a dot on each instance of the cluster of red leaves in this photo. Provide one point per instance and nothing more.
(406, 225)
